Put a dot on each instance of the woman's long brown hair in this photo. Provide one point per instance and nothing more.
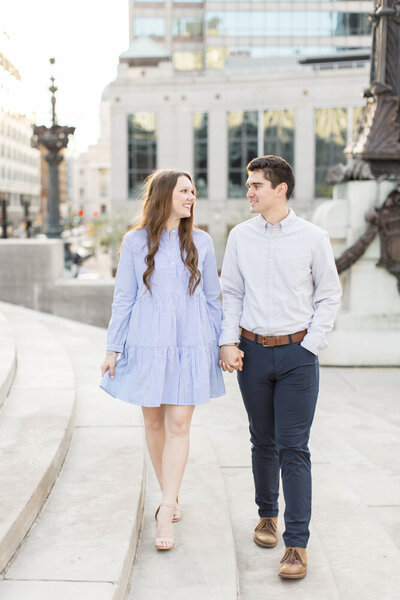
(155, 213)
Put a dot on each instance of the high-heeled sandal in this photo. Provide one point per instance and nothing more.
(159, 541)
(177, 516)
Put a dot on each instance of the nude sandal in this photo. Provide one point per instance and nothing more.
(177, 516)
(159, 541)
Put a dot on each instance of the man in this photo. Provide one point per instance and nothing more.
(281, 292)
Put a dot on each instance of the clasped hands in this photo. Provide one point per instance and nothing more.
(231, 358)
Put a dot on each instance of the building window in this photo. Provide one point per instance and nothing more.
(149, 26)
(188, 61)
(188, 28)
(330, 141)
(283, 23)
(279, 134)
(142, 150)
(242, 147)
(200, 127)
(216, 57)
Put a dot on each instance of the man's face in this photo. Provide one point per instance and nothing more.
(260, 193)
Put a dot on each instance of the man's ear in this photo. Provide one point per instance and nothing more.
(282, 189)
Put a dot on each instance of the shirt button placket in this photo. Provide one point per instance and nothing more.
(269, 279)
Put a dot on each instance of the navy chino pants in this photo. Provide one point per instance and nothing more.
(279, 387)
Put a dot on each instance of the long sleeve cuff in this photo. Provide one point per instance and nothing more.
(229, 337)
(115, 347)
(314, 343)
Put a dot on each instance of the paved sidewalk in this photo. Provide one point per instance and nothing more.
(354, 550)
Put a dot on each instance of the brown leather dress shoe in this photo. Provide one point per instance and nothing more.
(294, 563)
(265, 534)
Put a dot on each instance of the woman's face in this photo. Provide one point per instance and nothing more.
(182, 198)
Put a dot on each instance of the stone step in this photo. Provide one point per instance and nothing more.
(8, 357)
(202, 563)
(36, 422)
(83, 543)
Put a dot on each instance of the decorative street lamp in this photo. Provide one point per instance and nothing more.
(377, 138)
(25, 203)
(53, 138)
(4, 203)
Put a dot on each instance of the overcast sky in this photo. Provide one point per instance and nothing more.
(86, 37)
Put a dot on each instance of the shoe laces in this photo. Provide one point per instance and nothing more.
(266, 524)
(292, 556)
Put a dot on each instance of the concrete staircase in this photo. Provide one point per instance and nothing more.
(71, 465)
(73, 480)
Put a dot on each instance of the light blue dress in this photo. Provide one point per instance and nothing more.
(168, 339)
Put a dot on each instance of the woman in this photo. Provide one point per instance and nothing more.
(165, 324)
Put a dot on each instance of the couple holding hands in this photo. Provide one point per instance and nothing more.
(167, 339)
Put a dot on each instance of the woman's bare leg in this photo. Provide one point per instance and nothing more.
(176, 450)
(155, 437)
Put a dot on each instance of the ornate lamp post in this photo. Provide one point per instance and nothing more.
(377, 138)
(4, 203)
(53, 138)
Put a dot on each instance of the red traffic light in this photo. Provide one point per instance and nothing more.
(81, 213)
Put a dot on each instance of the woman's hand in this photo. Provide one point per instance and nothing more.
(230, 358)
(108, 364)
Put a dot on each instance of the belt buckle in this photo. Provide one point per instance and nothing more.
(266, 337)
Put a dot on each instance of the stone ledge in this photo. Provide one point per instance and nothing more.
(84, 541)
(8, 359)
(36, 423)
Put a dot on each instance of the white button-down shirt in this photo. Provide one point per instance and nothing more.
(279, 279)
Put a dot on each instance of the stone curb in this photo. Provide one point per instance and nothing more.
(36, 424)
(8, 358)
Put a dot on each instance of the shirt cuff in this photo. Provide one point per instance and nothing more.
(228, 338)
(115, 347)
(313, 343)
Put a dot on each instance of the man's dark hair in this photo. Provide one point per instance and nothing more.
(275, 169)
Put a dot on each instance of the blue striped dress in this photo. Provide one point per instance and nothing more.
(168, 339)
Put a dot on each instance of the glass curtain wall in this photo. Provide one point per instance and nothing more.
(142, 150)
(330, 141)
(263, 23)
(200, 139)
(215, 29)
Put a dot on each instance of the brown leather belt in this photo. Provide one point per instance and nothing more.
(269, 341)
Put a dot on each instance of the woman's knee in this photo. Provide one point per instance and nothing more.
(178, 427)
(153, 419)
(177, 420)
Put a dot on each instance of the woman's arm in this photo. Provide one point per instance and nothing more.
(125, 292)
(211, 286)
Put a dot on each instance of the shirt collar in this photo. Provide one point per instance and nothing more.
(284, 225)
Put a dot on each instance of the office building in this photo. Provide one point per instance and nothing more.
(205, 87)
(19, 162)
